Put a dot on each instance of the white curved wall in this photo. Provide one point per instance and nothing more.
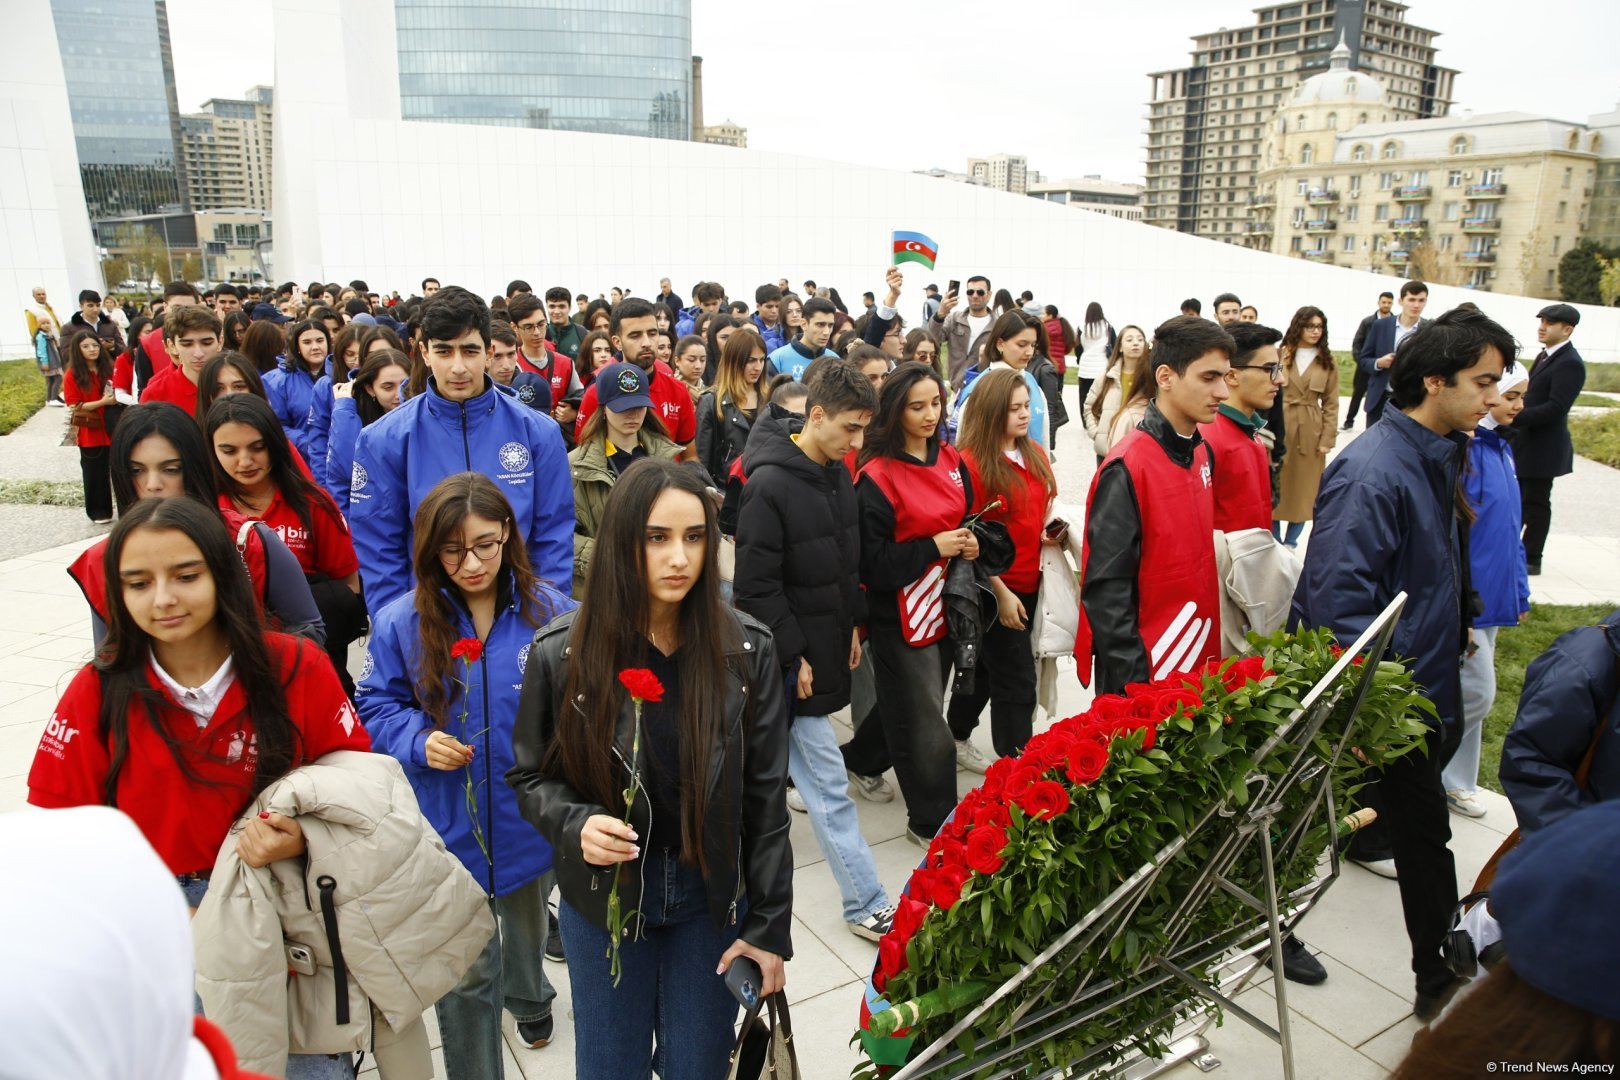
(391, 201)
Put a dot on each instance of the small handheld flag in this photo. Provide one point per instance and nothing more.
(914, 247)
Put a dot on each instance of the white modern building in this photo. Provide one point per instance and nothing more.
(44, 226)
(395, 201)
(1093, 193)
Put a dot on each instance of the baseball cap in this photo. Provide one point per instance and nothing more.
(621, 386)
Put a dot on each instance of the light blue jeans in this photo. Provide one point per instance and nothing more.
(1478, 694)
(817, 769)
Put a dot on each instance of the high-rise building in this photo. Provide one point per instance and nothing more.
(1206, 121)
(1001, 172)
(575, 65)
(126, 124)
(227, 147)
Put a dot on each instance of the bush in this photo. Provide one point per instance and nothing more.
(1598, 437)
(1603, 378)
(22, 393)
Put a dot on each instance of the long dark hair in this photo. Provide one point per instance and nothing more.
(1095, 321)
(884, 437)
(122, 658)
(582, 360)
(236, 325)
(208, 381)
(1296, 331)
(262, 344)
(340, 342)
(79, 371)
(166, 421)
(298, 491)
(369, 408)
(438, 523)
(610, 633)
(295, 356)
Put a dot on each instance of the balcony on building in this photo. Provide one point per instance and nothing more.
(1258, 227)
(1321, 225)
(1408, 225)
(1413, 192)
(1477, 256)
(1322, 197)
(1398, 256)
(1481, 224)
(1262, 198)
(1486, 191)
(1318, 254)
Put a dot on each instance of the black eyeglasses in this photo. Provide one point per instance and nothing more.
(1272, 370)
(1315, 326)
(452, 556)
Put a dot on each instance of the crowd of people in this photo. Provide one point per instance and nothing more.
(765, 512)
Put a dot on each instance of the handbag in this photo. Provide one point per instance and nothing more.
(89, 419)
(765, 1051)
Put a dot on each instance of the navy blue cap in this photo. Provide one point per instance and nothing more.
(267, 312)
(1555, 897)
(621, 386)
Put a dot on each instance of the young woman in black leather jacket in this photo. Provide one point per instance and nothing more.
(701, 880)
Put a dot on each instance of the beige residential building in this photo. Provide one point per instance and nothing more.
(1490, 201)
(1093, 193)
(1206, 122)
(227, 148)
(724, 134)
(1001, 172)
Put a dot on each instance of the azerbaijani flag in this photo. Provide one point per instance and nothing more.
(914, 247)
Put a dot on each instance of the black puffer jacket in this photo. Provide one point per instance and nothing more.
(755, 862)
(798, 559)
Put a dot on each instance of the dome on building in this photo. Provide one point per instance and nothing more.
(1338, 85)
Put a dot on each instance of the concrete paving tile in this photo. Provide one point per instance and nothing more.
(1359, 923)
(20, 670)
(13, 793)
(815, 968)
(1390, 1046)
(25, 704)
(822, 1027)
(1246, 1053)
(818, 904)
(1350, 1005)
(17, 745)
(72, 650)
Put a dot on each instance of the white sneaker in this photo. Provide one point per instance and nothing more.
(872, 788)
(795, 801)
(875, 925)
(1464, 803)
(53, 403)
(969, 758)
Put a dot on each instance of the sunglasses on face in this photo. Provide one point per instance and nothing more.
(977, 292)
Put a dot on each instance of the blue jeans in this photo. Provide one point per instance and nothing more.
(507, 972)
(1291, 537)
(670, 1011)
(817, 769)
(299, 1066)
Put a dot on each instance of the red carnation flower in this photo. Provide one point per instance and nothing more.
(642, 684)
(468, 649)
(1045, 800)
(984, 847)
(1086, 761)
(909, 914)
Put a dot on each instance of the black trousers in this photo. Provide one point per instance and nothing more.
(344, 613)
(1358, 391)
(911, 734)
(1005, 678)
(1535, 506)
(1415, 824)
(98, 500)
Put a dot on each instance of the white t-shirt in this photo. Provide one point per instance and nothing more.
(1304, 357)
(978, 324)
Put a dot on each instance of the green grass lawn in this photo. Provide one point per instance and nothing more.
(1597, 401)
(1515, 648)
(22, 393)
(1604, 378)
(1598, 437)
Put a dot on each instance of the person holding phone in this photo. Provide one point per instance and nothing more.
(956, 329)
(700, 865)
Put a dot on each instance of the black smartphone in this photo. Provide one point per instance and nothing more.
(1056, 527)
(744, 979)
(953, 288)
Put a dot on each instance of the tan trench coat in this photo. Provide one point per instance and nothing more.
(1310, 422)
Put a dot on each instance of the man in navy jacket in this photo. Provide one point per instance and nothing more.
(1386, 523)
(461, 422)
(1377, 352)
(1542, 448)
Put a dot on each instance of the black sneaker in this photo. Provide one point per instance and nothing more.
(1428, 1007)
(1298, 963)
(554, 945)
(535, 1033)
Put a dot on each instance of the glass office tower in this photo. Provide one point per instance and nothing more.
(120, 84)
(621, 67)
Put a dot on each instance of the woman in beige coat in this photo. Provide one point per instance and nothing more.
(1104, 403)
(1310, 413)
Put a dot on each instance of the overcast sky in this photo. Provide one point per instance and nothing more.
(908, 84)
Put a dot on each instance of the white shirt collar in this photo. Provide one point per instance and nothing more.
(200, 701)
(1554, 348)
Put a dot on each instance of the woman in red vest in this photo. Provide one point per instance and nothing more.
(1005, 464)
(88, 391)
(913, 495)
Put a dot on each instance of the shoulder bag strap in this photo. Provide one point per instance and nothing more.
(783, 1060)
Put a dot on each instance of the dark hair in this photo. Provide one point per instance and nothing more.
(123, 656)
(500, 330)
(1193, 305)
(583, 365)
(839, 388)
(236, 325)
(1382, 295)
(609, 634)
(297, 490)
(766, 293)
(1455, 341)
(869, 297)
(1506, 1019)
(785, 386)
(89, 296)
(914, 339)
(79, 369)
(190, 317)
(596, 306)
(451, 312)
(262, 345)
(208, 379)
(359, 285)
(296, 358)
(425, 281)
(522, 306)
(1296, 331)
(631, 308)
(837, 301)
(365, 403)
(1249, 307)
(1412, 288)
(730, 374)
(687, 342)
(356, 306)
(227, 289)
(1141, 379)
(1226, 298)
(738, 309)
(167, 421)
(979, 277)
(179, 288)
(517, 285)
(1179, 341)
(1248, 338)
(818, 305)
(982, 434)
(557, 294)
(370, 335)
(1004, 301)
(883, 436)
(708, 290)
(438, 520)
(1007, 326)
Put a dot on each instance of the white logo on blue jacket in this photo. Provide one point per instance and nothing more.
(514, 456)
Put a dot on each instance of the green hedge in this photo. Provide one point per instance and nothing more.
(22, 393)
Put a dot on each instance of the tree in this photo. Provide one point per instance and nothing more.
(114, 270)
(1580, 272)
(1609, 282)
(191, 268)
(1426, 262)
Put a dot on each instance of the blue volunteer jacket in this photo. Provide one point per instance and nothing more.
(774, 336)
(290, 388)
(386, 698)
(1038, 427)
(398, 459)
(1386, 521)
(318, 427)
(1495, 553)
(791, 359)
(337, 471)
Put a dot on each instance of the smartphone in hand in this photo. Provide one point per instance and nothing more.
(744, 980)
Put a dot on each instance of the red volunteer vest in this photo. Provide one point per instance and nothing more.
(88, 570)
(1177, 585)
(926, 500)
(1242, 476)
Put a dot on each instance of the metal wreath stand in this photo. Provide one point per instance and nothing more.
(1273, 917)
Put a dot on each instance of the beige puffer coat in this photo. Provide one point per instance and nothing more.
(410, 919)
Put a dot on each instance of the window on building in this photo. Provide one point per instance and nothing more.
(1296, 243)
(1569, 177)
(1359, 152)
(1418, 178)
(1558, 242)
(1491, 176)
(1454, 178)
(1459, 145)
(1382, 213)
(1333, 121)
(1386, 180)
(1444, 242)
(1352, 213)
(1361, 118)
(1355, 185)
(1549, 284)
(1349, 245)
(1302, 187)
(1563, 208)
(1391, 151)
(1307, 154)
(1448, 211)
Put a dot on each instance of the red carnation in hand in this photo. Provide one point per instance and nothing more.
(469, 649)
(984, 847)
(642, 684)
(1044, 800)
(1086, 761)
